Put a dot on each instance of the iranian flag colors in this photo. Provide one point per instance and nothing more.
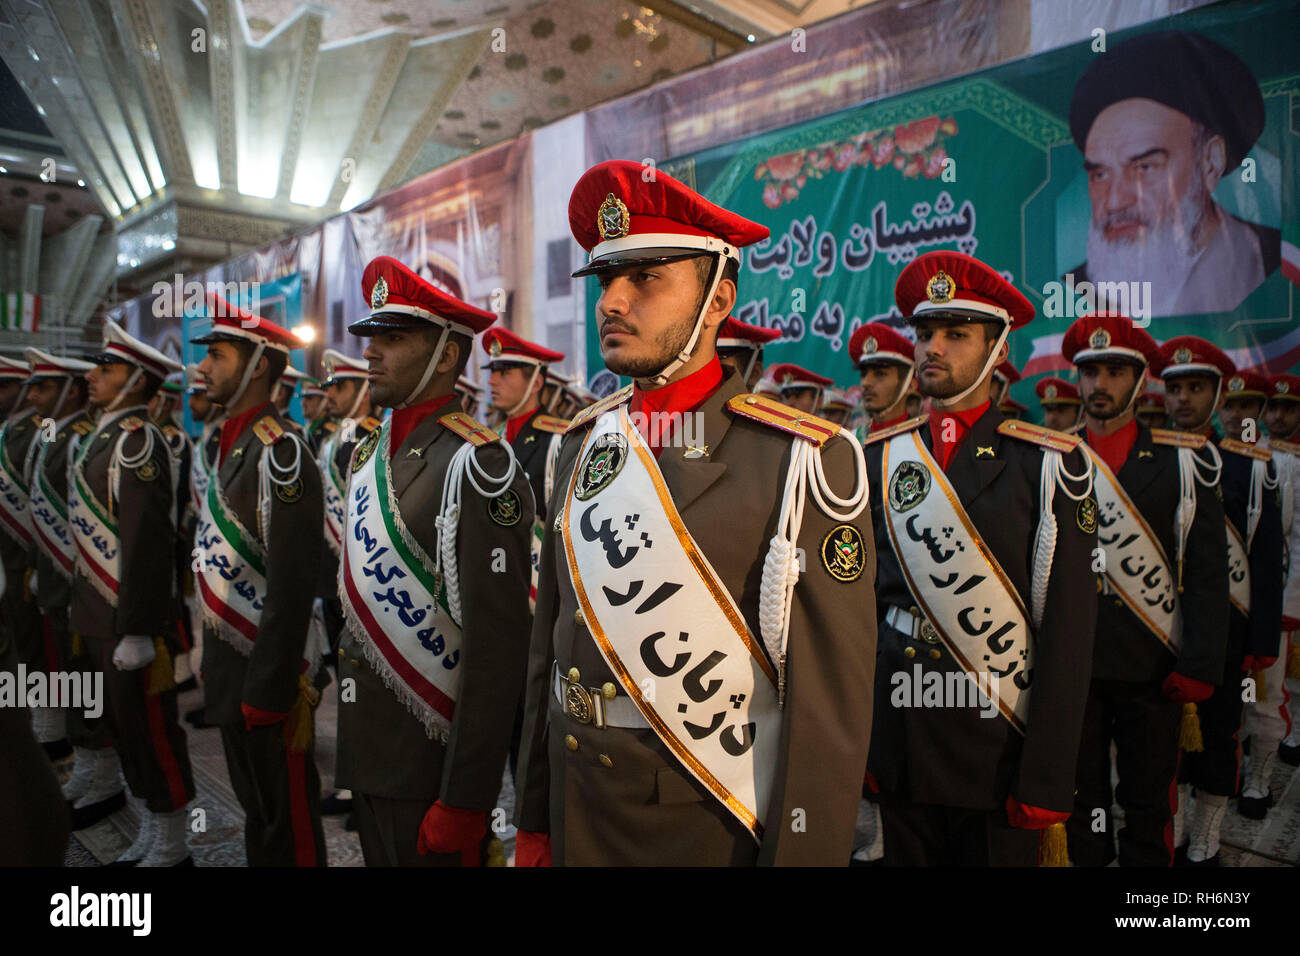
(20, 310)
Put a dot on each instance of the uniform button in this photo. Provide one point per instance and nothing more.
(571, 741)
(1119, 602)
(578, 619)
(604, 758)
(909, 652)
(914, 611)
(608, 691)
(934, 654)
(574, 675)
(751, 401)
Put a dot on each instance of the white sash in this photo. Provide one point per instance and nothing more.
(232, 585)
(14, 502)
(50, 518)
(200, 471)
(954, 579)
(1137, 568)
(335, 495)
(714, 700)
(93, 527)
(1238, 570)
(395, 604)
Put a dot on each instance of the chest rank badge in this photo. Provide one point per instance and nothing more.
(612, 219)
(1085, 515)
(603, 463)
(908, 487)
(148, 471)
(504, 509)
(289, 493)
(843, 554)
(365, 450)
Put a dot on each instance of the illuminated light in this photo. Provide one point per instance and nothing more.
(81, 183)
(305, 333)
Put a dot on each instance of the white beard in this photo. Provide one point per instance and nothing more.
(1164, 257)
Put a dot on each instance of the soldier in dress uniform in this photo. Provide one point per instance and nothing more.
(1282, 417)
(883, 358)
(1010, 408)
(578, 397)
(835, 406)
(163, 412)
(286, 388)
(1161, 597)
(730, 725)
(985, 529)
(1062, 406)
(1151, 409)
(260, 550)
(740, 346)
(1003, 376)
(315, 412)
(470, 394)
(799, 388)
(553, 386)
(1197, 376)
(434, 589)
(207, 414)
(121, 508)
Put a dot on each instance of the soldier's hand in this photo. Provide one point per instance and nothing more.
(133, 652)
(451, 830)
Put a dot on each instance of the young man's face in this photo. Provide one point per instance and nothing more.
(1060, 417)
(283, 395)
(222, 368)
(1282, 418)
(950, 356)
(1189, 399)
(104, 382)
(804, 399)
(313, 406)
(398, 359)
(340, 395)
(509, 384)
(200, 405)
(1237, 411)
(43, 393)
(880, 384)
(1105, 387)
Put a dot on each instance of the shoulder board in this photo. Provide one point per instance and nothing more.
(592, 412)
(769, 411)
(1286, 447)
(1047, 437)
(268, 430)
(83, 427)
(37, 420)
(331, 426)
(169, 429)
(474, 432)
(550, 423)
(1167, 436)
(1246, 449)
(132, 423)
(367, 424)
(910, 425)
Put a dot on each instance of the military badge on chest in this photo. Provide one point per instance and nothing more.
(1085, 515)
(908, 487)
(290, 492)
(148, 471)
(604, 461)
(504, 509)
(843, 553)
(365, 450)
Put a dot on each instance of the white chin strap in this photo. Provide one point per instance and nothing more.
(247, 377)
(428, 369)
(63, 395)
(528, 393)
(126, 389)
(989, 363)
(362, 392)
(555, 397)
(684, 356)
(901, 394)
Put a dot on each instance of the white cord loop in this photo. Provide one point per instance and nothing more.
(1191, 469)
(271, 472)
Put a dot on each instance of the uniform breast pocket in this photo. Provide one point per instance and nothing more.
(674, 786)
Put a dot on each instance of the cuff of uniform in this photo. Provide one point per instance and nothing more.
(1026, 817)
(257, 717)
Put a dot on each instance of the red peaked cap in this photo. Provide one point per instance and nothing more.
(613, 203)
(1007, 371)
(1246, 384)
(229, 321)
(1284, 388)
(1191, 354)
(1151, 401)
(734, 334)
(1053, 390)
(400, 299)
(1009, 404)
(788, 375)
(504, 346)
(954, 285)
(877, 342)
(1108, 335)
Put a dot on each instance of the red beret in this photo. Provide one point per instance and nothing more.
(735, 334)
(788, 375)
(1190, 354)
(1011, 405)
(505, 347)
(877, 342)
(1151, 401)
(399, 298)
(1056, 391)
(623, 212)
(953, 285)
(1108, 335)
(1247, 384)
(1284, 388)
(1007, 372)
(229, 321)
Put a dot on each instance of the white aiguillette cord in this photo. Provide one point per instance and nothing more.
(1190, 469)
(781, 567)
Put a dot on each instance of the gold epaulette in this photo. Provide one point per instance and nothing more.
(37, 420)
(474, 432)
(169, 429)
(1168, 436)
(330, 426)
(132, 423)
(592, 412)
(367, 424)
(1047, 437)
(1286, 447)
(769, 411)
(910, 425)
(268, 430)
(1245, 448)
(83, 427)
(551, 423)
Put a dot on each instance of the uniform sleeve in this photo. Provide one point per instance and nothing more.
(830, 674)
(1267, 578)
(1205, 590)
(1062, 656)
(494, 562)
(145, 537)
(292, 567)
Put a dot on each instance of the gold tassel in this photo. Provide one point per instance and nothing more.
(1261, 689)
(27, 584)
(161, 677)
(78, 646)
(1054, 848)
(301, 727)
(1293, 661)
(496, 852)
(1189, 731)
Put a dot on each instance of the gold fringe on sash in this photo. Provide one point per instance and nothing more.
(161, 676)
(78, 646)
(301, 727)
(1189, 731)
(27, 584)
(1261, 689)
(1053, 849)
(496, 852)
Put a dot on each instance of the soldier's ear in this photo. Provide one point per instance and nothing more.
(450, 357)
(724, 300)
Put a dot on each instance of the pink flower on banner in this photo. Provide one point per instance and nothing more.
(934, 162)
(884, 151)
(843, 156)
(917, 135)
(772, 196)
(912, 168)
(784, 167)
(820, 159)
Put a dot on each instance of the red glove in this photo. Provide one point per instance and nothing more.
(446, 829)
(1024, 817)
(256, 717)
(1252, 663)
(869, 781)
(1185, 690)
(532, 849)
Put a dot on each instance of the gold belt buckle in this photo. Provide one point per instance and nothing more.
(577, 703)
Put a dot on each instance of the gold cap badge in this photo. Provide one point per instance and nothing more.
(379, 294)
(1183, 356)
(787, 378)
(1050, 391)
(612, 219)
(1236, 384)
(495, 348)
(940, 288)
(1100, 339)
(1283, 387)
(870, 345)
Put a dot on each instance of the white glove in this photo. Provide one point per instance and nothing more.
(133, 652)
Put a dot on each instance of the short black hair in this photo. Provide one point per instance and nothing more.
(151, 385)
(730, 270)
(464, 345)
